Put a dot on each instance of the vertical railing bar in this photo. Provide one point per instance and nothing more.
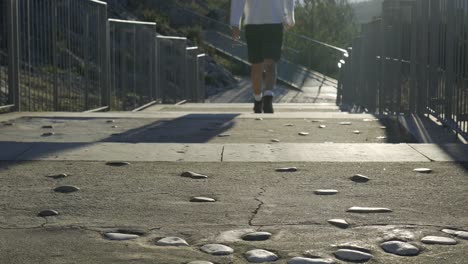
(68, 55)
(450, 54)
(105, 47)
(29, 66)
(135, 94)
(54, 56)
(13, 56)
(87, 63)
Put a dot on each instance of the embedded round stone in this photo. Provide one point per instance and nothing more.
(345, 123)
(357, 132)
(224, 135)
(353, 255)
(457, 233)
(325, 192)
(260, 256)
(303, 133)
(275, 140)
(359, 178)
(193, 175)
(217, 249)
(270, 130)
(172, 241)
(48, 134)
(115, 127)
(200, 262)
(120, 236)
(382, 137)
(131, 231)
(66, 189)
(58, 176)
(259, 119)
(357, 209)
(423, 170)
(383, 127)
(301, 260)
(287, 169)
(48, 126)
(322, 126)
(256, 236)
(353, 246)
(202, 200)
(438, 240)
(48, 212)
(400, 248)
(341, 223)
(118, 163)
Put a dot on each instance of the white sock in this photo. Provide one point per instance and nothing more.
(268, 93)
(258, 97)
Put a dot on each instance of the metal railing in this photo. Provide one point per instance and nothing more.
(300, 52)
(412, 60)
(65, 55)
(132, 63)
(60, 51)
(172, 58)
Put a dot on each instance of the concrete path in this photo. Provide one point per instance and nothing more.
(233, 148)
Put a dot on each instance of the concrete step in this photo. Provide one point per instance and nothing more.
(242, 108)
(283, 152)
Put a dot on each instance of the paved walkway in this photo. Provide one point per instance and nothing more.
(147, 199)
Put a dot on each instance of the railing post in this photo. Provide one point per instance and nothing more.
(86, 62)
(14, 93)
(423, 51)
(54, 57)
(434, 100)
(413, 84)
(201, 77)
(398, 16)
(450, 62)
(105, 58)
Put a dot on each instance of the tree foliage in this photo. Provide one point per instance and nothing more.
(329, 21)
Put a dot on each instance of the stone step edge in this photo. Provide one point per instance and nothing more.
(283, 152)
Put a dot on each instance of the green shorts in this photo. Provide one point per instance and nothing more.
(264, 42)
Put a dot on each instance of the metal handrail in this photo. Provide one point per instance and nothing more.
(287, 33)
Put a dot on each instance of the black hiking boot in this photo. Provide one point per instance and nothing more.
(268, 104)
(257, 107)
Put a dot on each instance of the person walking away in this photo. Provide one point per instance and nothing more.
(264, 23)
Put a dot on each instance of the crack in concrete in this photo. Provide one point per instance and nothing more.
(424, 155)
(259, 206)
(23, 227)
(222, 154)
(18, 157)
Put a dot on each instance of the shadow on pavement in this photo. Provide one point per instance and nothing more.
(192, 128)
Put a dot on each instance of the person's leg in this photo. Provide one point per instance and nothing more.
(273, 40)
(270, 74)
(254, 50)
(256, 74)
(270, 81)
